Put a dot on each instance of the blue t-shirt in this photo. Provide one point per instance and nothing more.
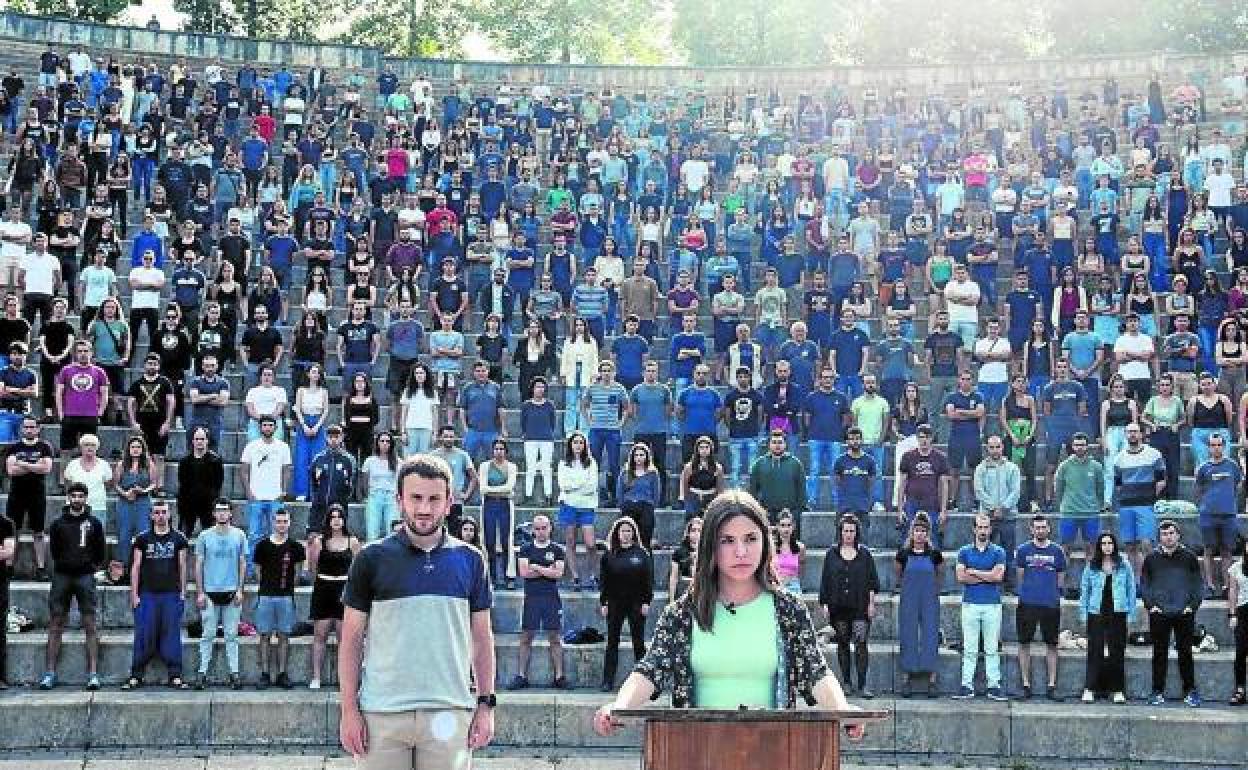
(253, 151)
(827, 415)
(1024, 307)
(803, 357)
(630, 352)
(700, 405)
(854, 477)
(651, 403)
(985, 560)
(1081, 348)
(1063, 399)
(894, 358)
(1218, 483)
(219, 553)
(404, 338)
(480, 402)
(683, 368)
(850, 346)
(965, 430)
(281, 250)
(1041, 566)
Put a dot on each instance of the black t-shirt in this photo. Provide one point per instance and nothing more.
(944, 347)
(277, 565)
(449, 293)
(13, 330)
(233, 250)
(541, 556)
(29, 484)
(159, 570)
(261, 344)
(744, 411)
(149, 397)
(56, 336)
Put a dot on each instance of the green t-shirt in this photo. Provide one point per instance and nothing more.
(736, 664)
(869, 415)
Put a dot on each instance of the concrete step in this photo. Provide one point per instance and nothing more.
(582, 609)
(583, 664)
(919, 733)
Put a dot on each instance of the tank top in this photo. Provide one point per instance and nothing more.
(787, 565)
(1208, 416)
(1014, 410)
(1166, 415)
(1230, 352)
(334, 563)
(1038, 359)
(131, 479)
(314, 401)
(702, 479)
(1141, 306)
(1119, 413)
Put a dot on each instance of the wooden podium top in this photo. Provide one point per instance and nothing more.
(752, 715)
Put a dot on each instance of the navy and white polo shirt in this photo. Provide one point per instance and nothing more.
(420, 605)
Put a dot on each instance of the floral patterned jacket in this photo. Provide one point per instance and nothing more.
(801, 665)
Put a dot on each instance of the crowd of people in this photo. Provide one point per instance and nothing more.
(1045, 300)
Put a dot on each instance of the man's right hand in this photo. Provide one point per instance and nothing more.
(201, 601)
(353, 732)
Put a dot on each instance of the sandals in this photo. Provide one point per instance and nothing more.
(177, 683)
(133, 683)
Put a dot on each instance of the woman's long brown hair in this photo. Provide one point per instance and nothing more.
(704, 593)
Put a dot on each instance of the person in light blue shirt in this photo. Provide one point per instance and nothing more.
(981, 570)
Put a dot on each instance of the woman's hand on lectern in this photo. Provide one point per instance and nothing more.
(604, 723)
(855, 732)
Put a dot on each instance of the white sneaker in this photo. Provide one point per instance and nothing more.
(1119, 698)
(315, 684)
(1088, 697)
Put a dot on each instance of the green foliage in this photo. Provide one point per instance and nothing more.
(413, 28)
(87, 10)
(752, 32)
(283, 19)
(625, 31)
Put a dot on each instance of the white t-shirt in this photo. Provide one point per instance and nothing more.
(1135, 343)
(40, 272)
(145, 298)
(293, 107)
(266, 399)
(96, 480)
(695, 171)
(967, 289)
(97, 283)
(419, 411)
(1219, 187)
(14, 250)
(265, 460)
(381, 478)
(993, 371)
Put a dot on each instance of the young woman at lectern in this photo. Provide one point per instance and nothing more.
(736, 638)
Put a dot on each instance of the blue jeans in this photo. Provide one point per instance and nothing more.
(823, 454)
(606, 440)
(994, 393)
(259, 526)
(227, 616)
(1114, 441)
(498, 527)
(877, 453)
(306, 449)
(742, 451)
(131, 518)
(981, 622)
(381, 510)
(477, 443)
(158, 631)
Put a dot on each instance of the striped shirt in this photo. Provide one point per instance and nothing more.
(1136, 475)
(605, 403)
(589, 301)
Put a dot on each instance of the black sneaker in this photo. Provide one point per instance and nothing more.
(264, 682)
(283, 681)
(236, 682)
(1025, 693)
(562, 683)
(518, 683)
(1051, 694)
(201, 681)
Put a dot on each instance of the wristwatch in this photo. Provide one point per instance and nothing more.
(489, 701)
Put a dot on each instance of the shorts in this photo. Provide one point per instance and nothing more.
(1136, 523)
(575, 517)
(1070, 527)
(1218, 531)
(27, 510)
(961, 451)
(542, 613)
(69, 588)
(275, 614)
(74, 428)
(1028, 616)
(156, 443)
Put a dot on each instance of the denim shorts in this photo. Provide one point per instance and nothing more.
(575, 517)
(1218, 531)
(1136, 523)
(275, 614)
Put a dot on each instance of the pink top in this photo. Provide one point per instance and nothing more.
(787, 565)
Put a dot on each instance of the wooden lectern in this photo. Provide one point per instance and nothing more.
(745, 739)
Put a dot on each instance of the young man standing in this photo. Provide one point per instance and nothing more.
(27, 464)
(1041, 566)
(158, 573)
(1170, 587)
(417, 589)
(778, 480)
(651, 405)
(1064, 404)
(743, 407)
(980, 570)
(1217, 485)
(277, 560)
(78, 551)
(606, 405)
(8, 551)
(264, 471)
(1078, 493)
(923, 485)
(1139, 480)
(541, 563)
(220, 563)
(966, 411)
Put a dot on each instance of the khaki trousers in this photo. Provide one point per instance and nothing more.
(418, 740)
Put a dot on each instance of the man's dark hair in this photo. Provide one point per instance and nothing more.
(425, 466)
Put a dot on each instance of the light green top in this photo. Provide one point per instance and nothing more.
(736, 664)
